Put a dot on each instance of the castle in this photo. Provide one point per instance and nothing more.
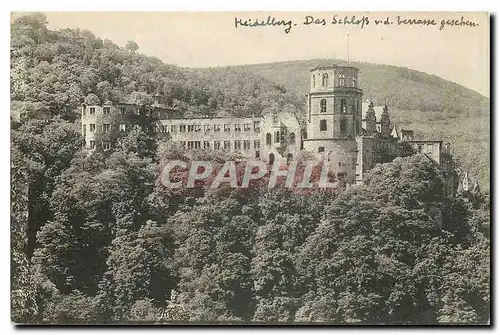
(341, 128)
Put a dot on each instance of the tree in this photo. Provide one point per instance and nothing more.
(131, 46)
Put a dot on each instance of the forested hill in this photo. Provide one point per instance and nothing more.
(433, 107)
(399, 87)
(58, 70)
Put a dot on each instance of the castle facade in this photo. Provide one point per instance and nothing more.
(341, 128)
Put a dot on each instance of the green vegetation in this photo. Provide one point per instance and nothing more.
(98, 239)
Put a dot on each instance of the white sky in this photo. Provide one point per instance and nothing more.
(200, 39)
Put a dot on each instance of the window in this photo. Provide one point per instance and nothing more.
(341, 175)
(190, 128)
(207, 128)
(343, 106)
(322, 105)
(183, 144)
(342, 80)
(277, 137)
(325, 79)
(173, 128)
(197, 128)
(106, 127)
(182, 128)
(216, 127)
(237, 145)
(92, 127)
(106, 110)
(122, 127)
(226, 127)
(217, 145)
(122, 110)
(321, 149)
(419, 148)
(256, 144)
(313, 81)
(246, 127)
(237, 127)
(256, 126)
(164, 128)
(322, 125)
(292, 138)
(197, 144)
(357, 127)
(206, 145)
(227, 145)
(106, 145)
(268, 138)
(275, 117)
(190, 145)
(343, 125)
(246, 144)
(92, 110)
(354, 82)
(92, 145)
(257, 154)
(84, 129)
(429, 149)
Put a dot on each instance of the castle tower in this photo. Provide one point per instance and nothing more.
(370, 121)
(334, 115)
(334, 103)
(385, 123)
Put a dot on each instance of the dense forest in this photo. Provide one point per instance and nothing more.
(99, 239)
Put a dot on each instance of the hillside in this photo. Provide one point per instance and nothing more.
(433, 107)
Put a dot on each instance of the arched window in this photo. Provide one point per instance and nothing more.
(325, 79)
(354, 82)
(314, 81)
(322, 105)
(357, 127)
(343, 106)
(292, 138)
(268, 138)
(343, 125)
(322, 125)
(342, 80)
(289, 158)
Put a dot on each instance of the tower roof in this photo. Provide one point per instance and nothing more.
(333, 66)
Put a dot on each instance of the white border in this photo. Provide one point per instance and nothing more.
(193, 5)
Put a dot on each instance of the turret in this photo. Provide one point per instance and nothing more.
(371, 119)
(385, 123)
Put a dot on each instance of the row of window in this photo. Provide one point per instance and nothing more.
(325, 80)
(106, 145)
(343, 106)
(218, 145)
(279, 137)
(207, 128)
(343, 126)
(105, 127)
(137, 111)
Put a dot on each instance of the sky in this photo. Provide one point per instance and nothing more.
(202, 39)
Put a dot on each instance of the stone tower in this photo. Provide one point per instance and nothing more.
(385, 123)
(370, 119)
(334, 103)
(334, 117)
